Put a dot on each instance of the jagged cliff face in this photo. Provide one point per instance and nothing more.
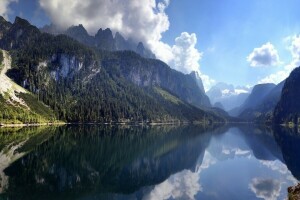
(195, 75)
(143, 72)
(13, 35)
(288, 108)
(4, 26)
(103, 40)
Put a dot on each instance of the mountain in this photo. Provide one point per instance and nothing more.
(195, 75)
(229, 96)
(258, 93)
(82, 84)
(260, 104)
(18, 105)
(288, 108)
(103, 40)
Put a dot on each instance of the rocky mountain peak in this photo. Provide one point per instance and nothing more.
(288, 108)
(195, 75)
(21, 21)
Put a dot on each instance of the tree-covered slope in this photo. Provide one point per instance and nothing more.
(262, 111)
(82, 84)
(16, 104)
(288, 108)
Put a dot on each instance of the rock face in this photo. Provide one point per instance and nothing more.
(4, 26)
(294, 192)
(80, 34)
(103, 40)
(145, 72)
(13, 36)
(197, 78)
(288, 108)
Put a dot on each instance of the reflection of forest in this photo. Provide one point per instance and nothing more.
(71, 162)
(15, 143)
(81, 160)
(289, 140)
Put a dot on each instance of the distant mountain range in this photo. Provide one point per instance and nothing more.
(80, 82)
(103, 40)
(227, 96)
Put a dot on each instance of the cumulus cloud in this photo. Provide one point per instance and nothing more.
(144, 21)
(267, 189)
(264, 56)
(4, 7)
(186, 56)
(294, 48)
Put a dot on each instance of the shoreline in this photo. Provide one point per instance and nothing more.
(2, 125)
(31, 125)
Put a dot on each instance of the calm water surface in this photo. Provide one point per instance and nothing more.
(189, 162)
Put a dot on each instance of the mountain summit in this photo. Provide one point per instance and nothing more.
(103, 40)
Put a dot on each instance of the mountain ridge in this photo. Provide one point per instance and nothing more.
(103, 39)
(82, 84)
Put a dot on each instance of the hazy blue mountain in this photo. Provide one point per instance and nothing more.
(228, 95)
(261, 103)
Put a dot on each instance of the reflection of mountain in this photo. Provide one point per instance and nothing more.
(15, 143)
(261, 142)
(289, 140)
(242, 141)
(105, 160)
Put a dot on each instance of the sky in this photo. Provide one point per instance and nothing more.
(240, 42)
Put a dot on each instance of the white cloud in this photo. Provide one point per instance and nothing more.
(4, 7)
(279, 76)
(186, 56)
(144, 21)
(183, 185)
(267, 189)
(264, 56)
(275, 77)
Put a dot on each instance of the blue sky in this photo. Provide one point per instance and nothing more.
(227, 32)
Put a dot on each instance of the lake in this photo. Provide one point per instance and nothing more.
(142, 162)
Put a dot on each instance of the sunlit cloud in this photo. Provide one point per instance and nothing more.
(264, 56)
(294, 48)
(144, 21)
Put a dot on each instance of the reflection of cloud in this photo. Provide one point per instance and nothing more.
(280, 167)
(207, 161)
(275, 165)
(183, 185)
(267, 189)
(235, 151)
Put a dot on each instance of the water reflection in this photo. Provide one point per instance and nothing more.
(289, 141)
(163, 162)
